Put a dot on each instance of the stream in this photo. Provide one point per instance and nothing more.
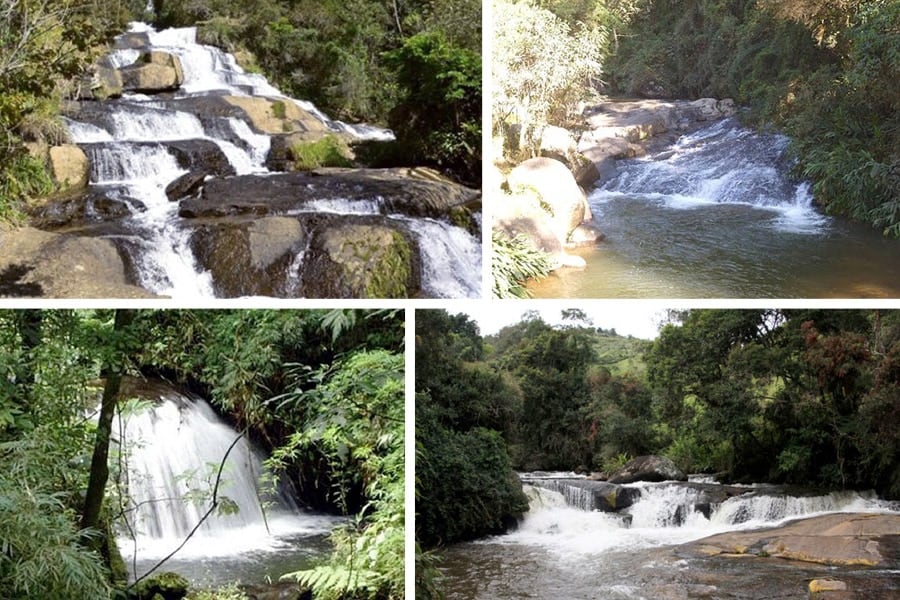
(138, 144)
(560, 550)
(716, 216)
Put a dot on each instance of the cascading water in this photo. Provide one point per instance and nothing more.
(717, 215)
(173, 450)
(560, 550)
(136, 145)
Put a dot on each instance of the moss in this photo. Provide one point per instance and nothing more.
(278, 109)
(391, 274)
(372, 262)
(163, 586)
(326, 152)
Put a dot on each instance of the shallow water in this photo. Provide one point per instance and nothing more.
(716, 216)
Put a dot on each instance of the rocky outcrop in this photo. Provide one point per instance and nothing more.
(85, 208)
(249, 257)
(648, 468)
(405, 191)
(69, 166)
(153, 72)
(279, 116)
(203, 156)
(841, 539)
(361, 260)
(35, 263)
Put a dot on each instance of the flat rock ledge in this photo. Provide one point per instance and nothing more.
(35, 263)
(840, 539)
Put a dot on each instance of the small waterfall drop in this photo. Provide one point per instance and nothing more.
(723, 163)
(173, 451)
(563, 517)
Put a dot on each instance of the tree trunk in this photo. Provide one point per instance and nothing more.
(112, 372)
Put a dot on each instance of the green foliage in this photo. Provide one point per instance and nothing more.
(527, 41)
(355, 420)
(513, 263)
(228, 592)
(465, 486)
(44, 556)
(44, 46)
(437, 116)
(326, 152)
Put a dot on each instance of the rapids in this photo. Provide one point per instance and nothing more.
(562, 551)
(715, 215)
(128, 141)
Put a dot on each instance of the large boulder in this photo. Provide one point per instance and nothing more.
(153, 72)
(648, 468)
(204, 156)
(35, 263)
(563, 201)
(69, 166)
(250, 257)
(360, 260)
(187, 185)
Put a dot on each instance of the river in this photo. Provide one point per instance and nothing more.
(716, 216)
(563, 552)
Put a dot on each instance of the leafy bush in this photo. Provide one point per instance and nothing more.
(513, 263)
(466, 487)
(540, 69)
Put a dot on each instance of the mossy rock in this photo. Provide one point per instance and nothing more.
(328, 151)
(162, 586)
(366, 261)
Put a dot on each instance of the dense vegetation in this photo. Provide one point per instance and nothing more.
(413, 66)
(823, 71)
(323, 391)
(45, 46)
(792, 396)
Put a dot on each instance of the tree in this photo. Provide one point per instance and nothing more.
(530, 41)
(112, 372)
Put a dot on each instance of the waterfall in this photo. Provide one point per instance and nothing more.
(136, 148)
(721, 164)
(563, 516)
(451, 259)
(173, 451)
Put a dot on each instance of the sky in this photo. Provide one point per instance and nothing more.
(637, 318)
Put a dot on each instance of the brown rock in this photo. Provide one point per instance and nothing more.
(834, 539)
(69, 166)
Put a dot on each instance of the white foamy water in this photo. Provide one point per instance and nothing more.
(665, 514)
(451, 259)
(720, 164)
(173, 452)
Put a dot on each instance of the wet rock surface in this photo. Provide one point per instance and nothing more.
(648, 468)
(385, 190)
